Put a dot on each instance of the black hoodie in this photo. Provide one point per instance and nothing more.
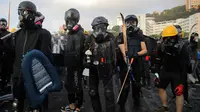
(27, 40)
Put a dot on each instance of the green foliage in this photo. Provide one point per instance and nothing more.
(116, 28)
(186, 34)
(155, 36)
(174, 13)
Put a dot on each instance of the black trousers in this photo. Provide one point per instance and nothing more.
(134, 77)
(146, 77)
(19, 93)
(5, 75)
(95, 76)
(73, 85)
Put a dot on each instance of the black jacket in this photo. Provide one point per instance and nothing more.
(109, 52)
(73, 48)
(6, 52)
(175, 64)
(27, 40)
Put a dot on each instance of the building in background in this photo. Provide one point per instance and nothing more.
(150, 27)
(142, 22)
(159, 26)
(153, 27)
(192, 4)
(119, 20)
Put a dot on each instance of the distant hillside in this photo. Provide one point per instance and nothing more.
(174, 13)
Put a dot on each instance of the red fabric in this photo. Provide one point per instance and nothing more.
(103, 60)
(38, 23)
(156, 80)
(75, 27)
(147, 58)
(179, 90)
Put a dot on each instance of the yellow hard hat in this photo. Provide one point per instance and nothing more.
(13, 30)
(85, 32)
(169, 31)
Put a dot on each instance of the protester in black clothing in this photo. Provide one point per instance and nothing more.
(100, 59)
(194, 39)
(73, 60)
(186, 102)
(6, 57)
(28, 38)
(174, 58)
(136, 49)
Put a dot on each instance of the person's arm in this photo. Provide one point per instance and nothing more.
(121, 45)
(143, 46)
(143, 49)
(159, 59)
(185, 61)
(45, 44)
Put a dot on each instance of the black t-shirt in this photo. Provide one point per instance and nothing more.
(138, 36)
(177, 63)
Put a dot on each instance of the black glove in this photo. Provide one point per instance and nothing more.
(135, 56)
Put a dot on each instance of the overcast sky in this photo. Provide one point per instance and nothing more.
(54, 10)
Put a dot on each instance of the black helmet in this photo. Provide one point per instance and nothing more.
(72, 17)
(179, 29)
(131, 24)
(27, 5)
(72, 14)
(99, 26)
(3, 19)
(27, 12)
(194, 37)
(3, 24)
(131, 17)
(99, 20)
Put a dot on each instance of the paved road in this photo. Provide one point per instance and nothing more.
(149, 101)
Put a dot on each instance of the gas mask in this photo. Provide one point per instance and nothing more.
(131, 27)
(170, 45)
(3, 25)
(26, 17)
(179, 32)
(99, 32)
(196, 39)
(70, 24)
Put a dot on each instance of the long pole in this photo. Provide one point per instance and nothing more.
(9, 16)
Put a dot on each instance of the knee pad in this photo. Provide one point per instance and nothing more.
(109, 94)
(15, 104)
(92, 93)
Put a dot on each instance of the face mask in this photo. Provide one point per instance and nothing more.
(131, 27)
(3, 25)
(169, 44)
(99, 32)
(196, 38)
(26, 17)
(70, 24)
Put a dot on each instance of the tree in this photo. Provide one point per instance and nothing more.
(199, 8)
(174, 13)
(155, 36)
(116, 28)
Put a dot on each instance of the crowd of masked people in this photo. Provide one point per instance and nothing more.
(133, 59)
